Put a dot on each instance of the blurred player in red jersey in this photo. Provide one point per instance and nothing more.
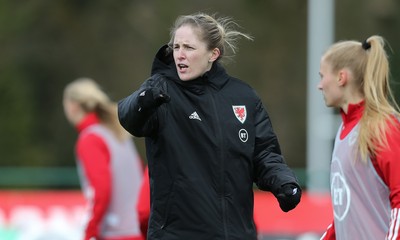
(109, 166)
(143, 204)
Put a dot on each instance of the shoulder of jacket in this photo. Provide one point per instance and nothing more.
(244, 87)
(240, 83)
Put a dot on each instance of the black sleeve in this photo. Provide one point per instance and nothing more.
(271, 170)
(138, 123)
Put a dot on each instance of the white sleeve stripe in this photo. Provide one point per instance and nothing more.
(323, 236)
(396, 229)
(390, 233)
(394, 224)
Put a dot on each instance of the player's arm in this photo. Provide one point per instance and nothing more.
(136, 113)
(94, 156)
(329, 233)
(271, 171)
(143, 204)
(388, 163)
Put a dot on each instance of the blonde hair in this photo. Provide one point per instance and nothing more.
(216, 32)
(369, 65)
(92, 98)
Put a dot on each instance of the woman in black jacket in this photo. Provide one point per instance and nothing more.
(208, 138)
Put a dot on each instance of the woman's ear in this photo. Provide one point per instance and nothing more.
(343, 77)
(214, 55)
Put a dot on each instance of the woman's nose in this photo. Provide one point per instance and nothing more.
(319, 86)
(180, 53)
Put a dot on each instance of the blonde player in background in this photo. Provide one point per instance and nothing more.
(365, 179)
(109, 165)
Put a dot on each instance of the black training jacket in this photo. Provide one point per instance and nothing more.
(205, 149)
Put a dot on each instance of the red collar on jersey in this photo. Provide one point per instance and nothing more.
(353, 116)
(87, 121)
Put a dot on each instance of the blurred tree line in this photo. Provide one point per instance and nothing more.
(45, 44)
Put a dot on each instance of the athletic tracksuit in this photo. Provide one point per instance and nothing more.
(205, 148)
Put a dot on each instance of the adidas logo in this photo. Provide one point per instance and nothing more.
(194, 115)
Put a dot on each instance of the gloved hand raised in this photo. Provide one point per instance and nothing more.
(288, 196)
(152, 98)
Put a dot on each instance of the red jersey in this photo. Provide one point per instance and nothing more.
(110, 171)
(386, 163)
(143, 205)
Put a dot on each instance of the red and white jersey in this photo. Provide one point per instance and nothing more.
(365, 196)
(360, 198)
(111, 172)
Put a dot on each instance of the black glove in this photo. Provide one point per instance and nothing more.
(288, 196)
(151, 98)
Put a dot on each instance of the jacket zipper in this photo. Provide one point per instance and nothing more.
(220, 141)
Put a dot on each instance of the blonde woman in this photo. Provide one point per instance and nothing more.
(208, 138)
(365, 179)
(109, 165)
